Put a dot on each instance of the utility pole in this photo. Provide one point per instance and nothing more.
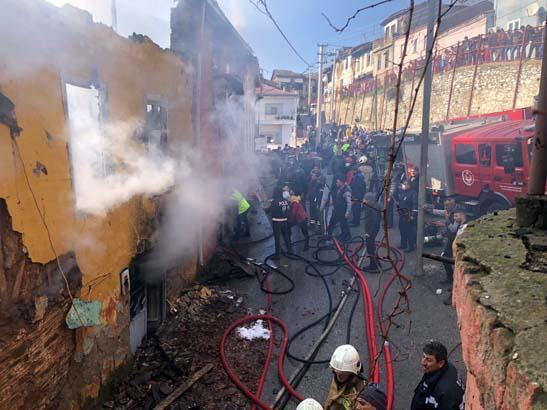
(309, 89)
(538, 171)
(114, 16)
(425, 141)
(319, 109)
(333, 91)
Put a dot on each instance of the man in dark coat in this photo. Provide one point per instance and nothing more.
(358, 189)
(407, 205)
(373, 216)
(341, 211)
(440, 387)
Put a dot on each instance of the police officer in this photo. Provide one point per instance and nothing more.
(347, 381)
(279, 210)
(440, 387)
(407, 203)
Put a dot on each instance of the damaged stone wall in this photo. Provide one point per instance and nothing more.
(36, 347)
(44, 47)
(500, 303)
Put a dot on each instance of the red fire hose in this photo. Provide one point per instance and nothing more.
(369, 315)
(254, 398)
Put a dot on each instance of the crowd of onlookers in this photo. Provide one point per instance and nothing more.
(496, 46)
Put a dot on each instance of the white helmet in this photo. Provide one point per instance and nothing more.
(346, 359)
(309, 404)
(362, 160)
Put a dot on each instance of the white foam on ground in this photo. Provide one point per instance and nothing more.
(256, 331)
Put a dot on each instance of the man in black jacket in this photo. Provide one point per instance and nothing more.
(358, 189)
(341, 211)
(407, 204)
(440, 387)
(373, 216)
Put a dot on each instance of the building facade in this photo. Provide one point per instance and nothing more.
(300, 83)
(276, 116)
(511, 14)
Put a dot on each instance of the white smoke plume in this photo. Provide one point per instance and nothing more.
(203, 191)
(111, 168)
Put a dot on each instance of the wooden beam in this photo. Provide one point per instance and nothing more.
(181, 389)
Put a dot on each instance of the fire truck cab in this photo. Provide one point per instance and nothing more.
(483, 165)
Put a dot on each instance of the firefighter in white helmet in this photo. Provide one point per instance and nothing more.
(347, 381)
(366, 169)
(309, 404)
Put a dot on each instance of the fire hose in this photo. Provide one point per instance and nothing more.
(369, 322)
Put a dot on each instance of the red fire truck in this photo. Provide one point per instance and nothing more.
(483, 163)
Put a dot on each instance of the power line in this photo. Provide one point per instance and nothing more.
(266, 12)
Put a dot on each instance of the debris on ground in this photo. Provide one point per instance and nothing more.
(186, 342)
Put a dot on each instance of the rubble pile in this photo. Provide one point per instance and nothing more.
(187, 341)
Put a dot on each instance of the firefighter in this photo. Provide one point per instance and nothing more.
(309, 404)
(347, 379)
(407, 204)
(242, 223)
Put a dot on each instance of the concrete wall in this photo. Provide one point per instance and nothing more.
(41, 359)
(499, 297)
(493, 91)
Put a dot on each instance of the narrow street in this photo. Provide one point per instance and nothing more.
(269, 205)
(428, 319)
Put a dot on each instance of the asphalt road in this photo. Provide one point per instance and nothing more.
(428, 319)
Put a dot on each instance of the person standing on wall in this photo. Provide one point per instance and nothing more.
(440, 387)
(279, 210)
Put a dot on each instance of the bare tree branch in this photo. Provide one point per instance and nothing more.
(340, 29)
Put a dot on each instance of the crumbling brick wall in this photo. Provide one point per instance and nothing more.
(36, 347)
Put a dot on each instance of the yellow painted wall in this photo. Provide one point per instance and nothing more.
(42, 47)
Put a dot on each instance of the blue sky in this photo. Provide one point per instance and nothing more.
(303, 24)
(301, 21)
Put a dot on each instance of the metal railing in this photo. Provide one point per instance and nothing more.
(496, 47)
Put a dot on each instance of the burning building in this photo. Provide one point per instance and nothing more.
(92, 126)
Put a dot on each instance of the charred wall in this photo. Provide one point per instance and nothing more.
(36, 347)
(43, 48)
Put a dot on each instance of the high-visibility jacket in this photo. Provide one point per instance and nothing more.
(345, 147)
(243, 204)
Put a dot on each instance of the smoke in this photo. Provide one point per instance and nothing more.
(110, 168)
(112, 162)
(202, 193)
